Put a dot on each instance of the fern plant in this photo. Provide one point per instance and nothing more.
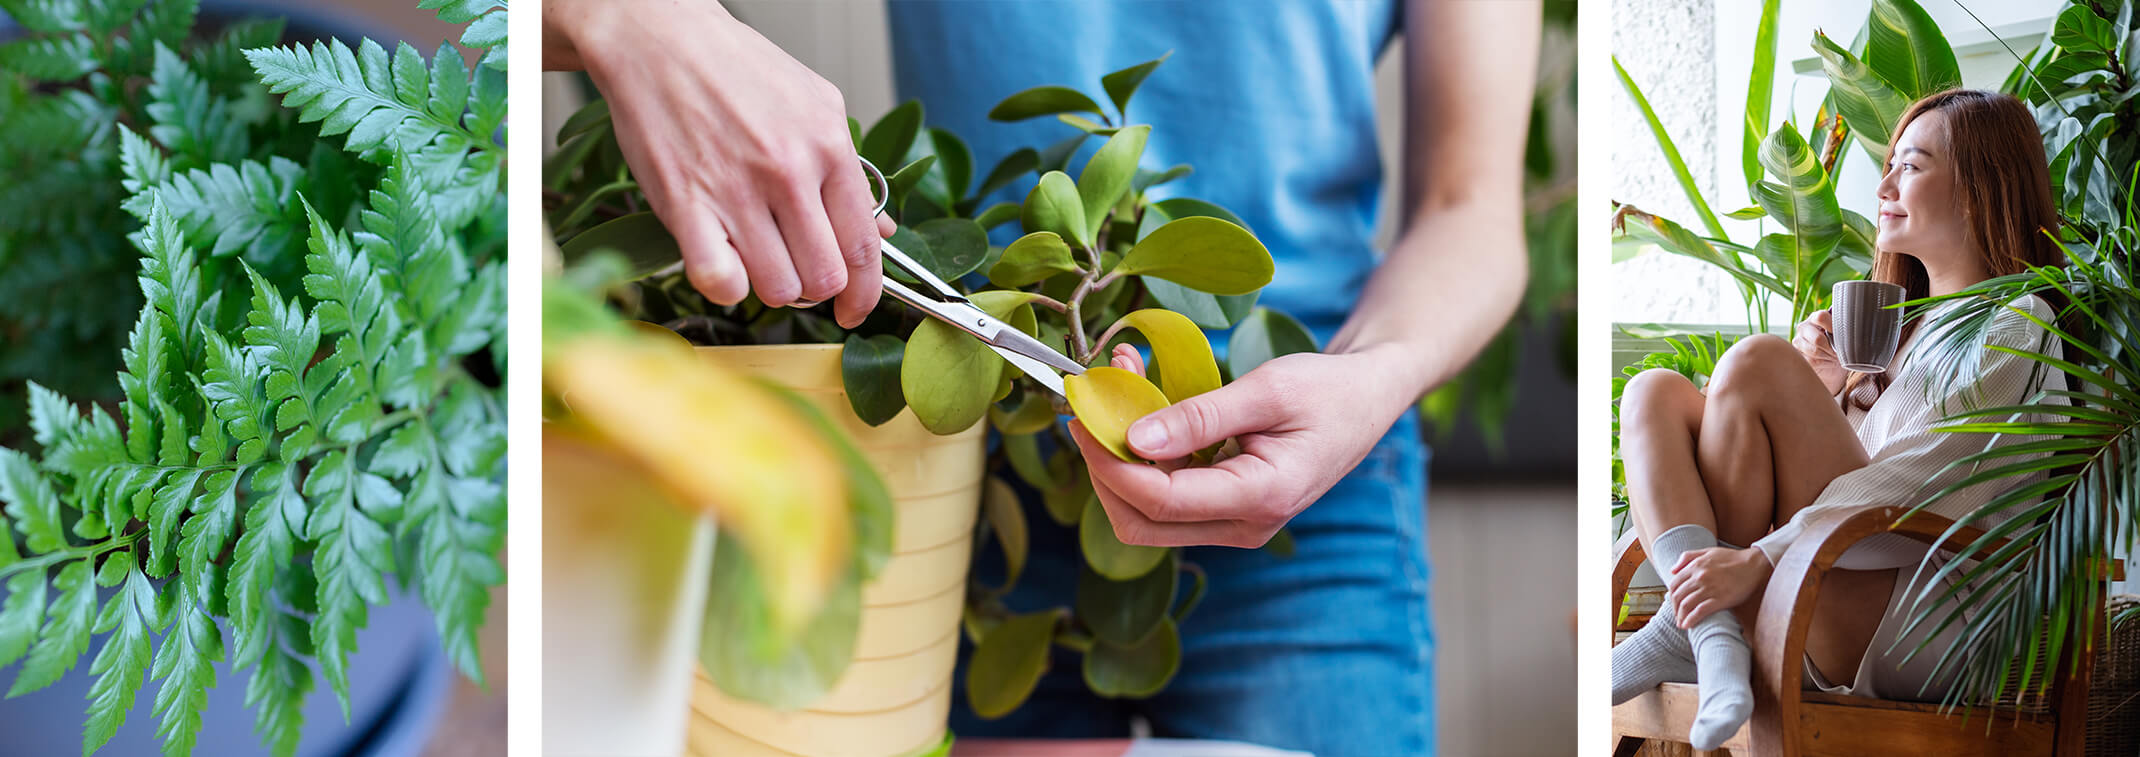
(310, 399)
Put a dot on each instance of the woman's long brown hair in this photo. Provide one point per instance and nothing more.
(2003, 184)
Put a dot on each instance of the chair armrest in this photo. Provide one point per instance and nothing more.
(1779, 634)
(1627, 557)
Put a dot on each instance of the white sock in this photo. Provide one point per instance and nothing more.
(1658, 653)
(1723, 663)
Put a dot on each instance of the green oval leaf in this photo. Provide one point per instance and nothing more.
(1008, 662)
(1107, 555)
(2079, 29)
(1066, 503)
(1034, 414)
(1121, 84)
(1006, 518)
(1148, 179)
(1107, 175)
(999, 214)
(1053, 205)
(1207, 310)
(904, 181)
(1135, 671)
(640, 237)
(888, 141)
(954, 166)
(1019, 163)
(956, 246)
(869, 369)
(1264, 335)
(1125, 612)
(1043, 101)
(948, 377)
(1033, 257)
(1086, 125)
(1202, 253)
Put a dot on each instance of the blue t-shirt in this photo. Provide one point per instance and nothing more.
(1272, 102)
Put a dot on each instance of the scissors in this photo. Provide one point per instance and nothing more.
(944, 303)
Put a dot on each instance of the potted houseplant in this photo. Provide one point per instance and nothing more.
(302, 413)
(2079, 83)
(1098, 263)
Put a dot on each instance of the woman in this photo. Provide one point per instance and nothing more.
(1784, 433)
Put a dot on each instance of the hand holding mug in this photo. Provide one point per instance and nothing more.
(1813, 340)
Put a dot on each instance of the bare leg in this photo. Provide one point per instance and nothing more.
(1745, 458)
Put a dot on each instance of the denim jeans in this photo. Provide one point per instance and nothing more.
(1329, 651)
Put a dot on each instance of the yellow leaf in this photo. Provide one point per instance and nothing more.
(1181, 354)
(1107, 400)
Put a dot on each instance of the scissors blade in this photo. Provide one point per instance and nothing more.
(1030, 355)
(943, 290)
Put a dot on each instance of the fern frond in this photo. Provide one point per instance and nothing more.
(66, 631)
(222, 60)
(130, 616)
(248, 208)
(373, 99)
(167, 23)
(48, 15)
(62, 57)
(353, 304)
(486, 30)
(186, 663)
(352, 556)
(60, 123)
(198, 127)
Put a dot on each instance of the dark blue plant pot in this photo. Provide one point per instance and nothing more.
(398, 685)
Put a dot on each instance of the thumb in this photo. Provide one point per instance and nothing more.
(1201, 421)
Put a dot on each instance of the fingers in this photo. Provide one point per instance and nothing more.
(1127, 358)
(1206, 419)
(819, 271)
(847, 205)
(710, 261)
(765, 256)
(886, 226)
(1132, 526)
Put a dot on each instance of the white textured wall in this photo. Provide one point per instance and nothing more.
(1668, 49)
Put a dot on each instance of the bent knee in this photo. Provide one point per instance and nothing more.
(1653, 390)
(1750, 359)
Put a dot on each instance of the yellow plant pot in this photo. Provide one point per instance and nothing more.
(895, 696)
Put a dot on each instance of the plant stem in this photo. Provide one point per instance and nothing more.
(86, 550)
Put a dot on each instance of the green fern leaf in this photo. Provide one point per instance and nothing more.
(204, 535)
(146, 383)
(277, 691)
(198, 127)
(120, 665)
(402, 234)
(249, 208)
(52, 417)
(458, 549)
(31, 503)
(166, 23)
(53, 59)
(143, 165)
(459, 11)
(166, 504)
(62, 123)
(352, 557)
(285, 339)
(222, 61)
(20, 613)
(170, 281)
(47, 15)
(186, 663)
(93, 444)
(272, 522)
(66, 633)
(109, 15)
(352, 304)
(236, 399)
(362, 94)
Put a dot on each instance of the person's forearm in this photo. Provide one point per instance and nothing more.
(569, 24)
(1441, 294)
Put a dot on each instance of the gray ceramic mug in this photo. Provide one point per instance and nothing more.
(1867, 324)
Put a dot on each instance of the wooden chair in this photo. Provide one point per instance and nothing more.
(1789, 721)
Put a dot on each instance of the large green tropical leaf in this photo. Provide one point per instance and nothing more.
(1671, 153)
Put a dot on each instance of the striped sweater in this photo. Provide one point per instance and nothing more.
(1909, 458)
